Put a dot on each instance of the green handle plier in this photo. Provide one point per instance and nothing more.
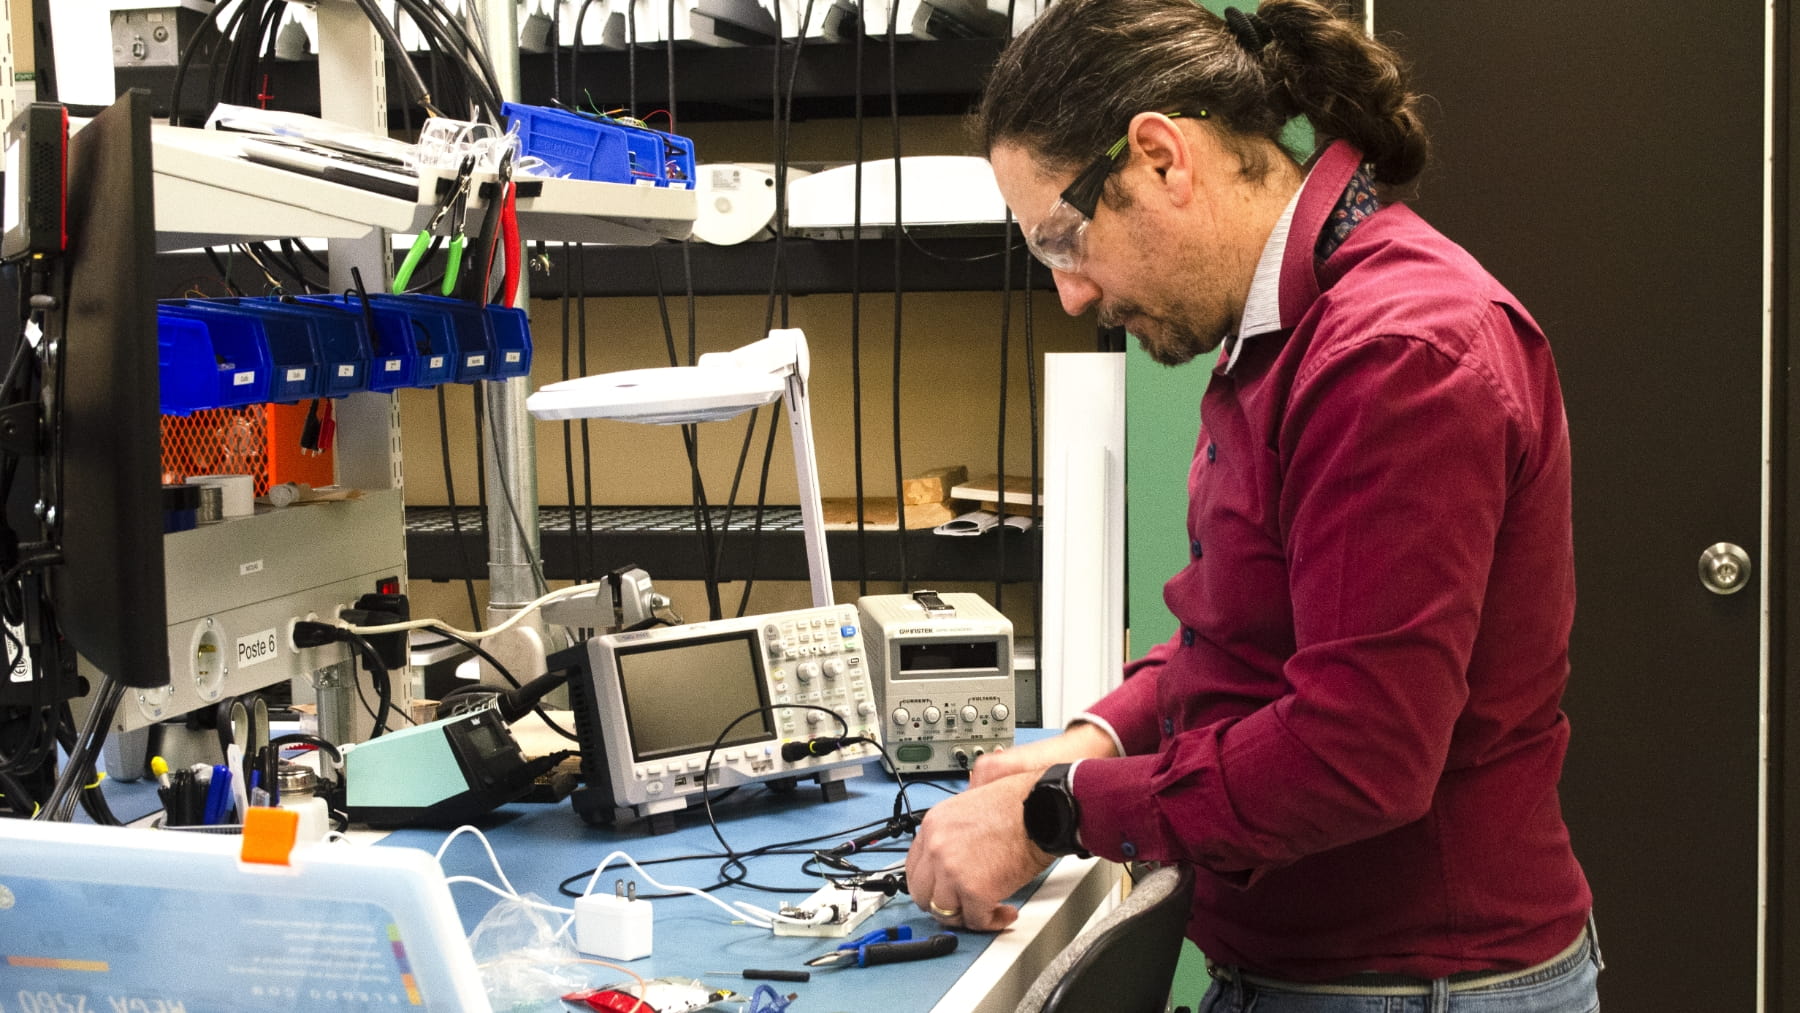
(454, 206)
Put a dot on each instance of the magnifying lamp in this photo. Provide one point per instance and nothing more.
(721, 385)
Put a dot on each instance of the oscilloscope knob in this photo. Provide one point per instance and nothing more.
(807, 671)
(834, 667)
(865, 708)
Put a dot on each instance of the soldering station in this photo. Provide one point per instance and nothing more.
(232, 701)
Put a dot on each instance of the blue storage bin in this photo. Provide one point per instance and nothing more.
(405, 352)
(511, 332)
(294, 373)
(454, 327)
(208, 362)
(339, 339)
(606, 151)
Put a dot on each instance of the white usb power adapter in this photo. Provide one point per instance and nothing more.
(613, 926)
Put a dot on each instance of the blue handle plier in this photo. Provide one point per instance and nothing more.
(455, 207)
(887, 946)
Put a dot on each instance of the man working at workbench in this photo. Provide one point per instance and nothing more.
(1356, 736)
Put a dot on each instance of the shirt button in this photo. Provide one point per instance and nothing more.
(1187, 637)
(1168, 726)
(1128, 849)
(1212, 452)
(1194, 548)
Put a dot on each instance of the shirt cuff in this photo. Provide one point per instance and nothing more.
(1088, 717)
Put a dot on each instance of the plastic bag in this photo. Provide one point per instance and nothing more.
(525, 964)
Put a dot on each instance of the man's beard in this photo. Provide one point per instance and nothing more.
(1169, 342)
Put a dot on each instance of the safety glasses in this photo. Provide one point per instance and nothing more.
(1059, 239)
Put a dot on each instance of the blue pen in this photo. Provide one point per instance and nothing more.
(218, 795)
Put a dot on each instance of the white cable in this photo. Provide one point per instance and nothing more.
(761, 921)
(515, 618)
(491, 888)
(757, 920)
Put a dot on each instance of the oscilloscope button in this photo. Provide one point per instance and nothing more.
(846, 630)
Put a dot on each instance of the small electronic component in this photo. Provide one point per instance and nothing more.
(831, 912)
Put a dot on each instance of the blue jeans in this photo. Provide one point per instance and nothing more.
(1564, 986)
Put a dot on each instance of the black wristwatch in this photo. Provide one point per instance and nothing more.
(1052, 815)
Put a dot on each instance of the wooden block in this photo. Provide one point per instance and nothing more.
(986, 489)
(933, 486)
(879, 514)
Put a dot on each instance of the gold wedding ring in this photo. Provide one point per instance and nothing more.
(943, 912)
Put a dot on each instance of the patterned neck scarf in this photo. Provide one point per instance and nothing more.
(1353, 208)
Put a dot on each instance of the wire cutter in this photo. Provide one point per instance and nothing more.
(454, 206)
(887, 946)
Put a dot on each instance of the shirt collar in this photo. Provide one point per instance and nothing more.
(1262, 306)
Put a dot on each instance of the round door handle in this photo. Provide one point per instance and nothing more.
(1724, 568)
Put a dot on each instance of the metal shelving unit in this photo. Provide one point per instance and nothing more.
(577, 543)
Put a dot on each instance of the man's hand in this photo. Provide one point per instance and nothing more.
(971, 853)
(1081, 742)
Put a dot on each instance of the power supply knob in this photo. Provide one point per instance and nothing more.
(807, 671)
(932, 714)
(834, 667)
(902, 716)
(969, 714)
(1000, 713)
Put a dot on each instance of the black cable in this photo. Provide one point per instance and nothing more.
(856, 248)
(224, 269)
(478, 416)
(92, 798)
(582, 564)
(574, 56)
(511, 680)
(1000, 436)
(187, 56)
(690, 441)
(762, 499)
(462, 550)
(587, 460)
(894, 130)
(378, 674)
(706, 767)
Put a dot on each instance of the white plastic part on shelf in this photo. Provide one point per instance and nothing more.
(583, 211)
(206, 193)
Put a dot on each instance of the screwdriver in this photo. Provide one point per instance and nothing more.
(762, 974)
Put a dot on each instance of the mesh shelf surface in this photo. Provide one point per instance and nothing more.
(664, 540)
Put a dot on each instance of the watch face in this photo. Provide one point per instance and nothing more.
(1047, 816)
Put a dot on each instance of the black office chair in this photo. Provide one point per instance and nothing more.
(1126, 962)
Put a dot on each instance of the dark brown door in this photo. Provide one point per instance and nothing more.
(1605, 161)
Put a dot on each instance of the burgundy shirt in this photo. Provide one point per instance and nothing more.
(1356, 736)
